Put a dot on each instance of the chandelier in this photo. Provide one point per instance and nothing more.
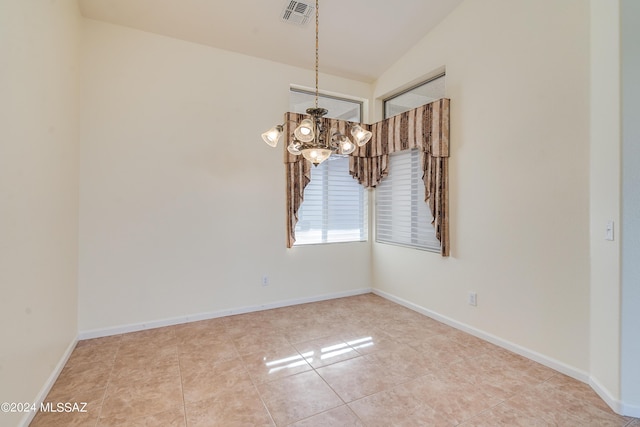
(311, 138)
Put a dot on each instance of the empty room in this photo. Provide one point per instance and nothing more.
(319, 213)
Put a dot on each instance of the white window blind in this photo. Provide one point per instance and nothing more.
(402, 216)
(334, 207)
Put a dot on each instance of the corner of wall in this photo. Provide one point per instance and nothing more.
(605, 197)
(39, 178)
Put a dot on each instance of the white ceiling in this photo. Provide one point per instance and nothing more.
(359, 39)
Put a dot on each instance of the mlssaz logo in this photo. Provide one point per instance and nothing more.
(63, 407)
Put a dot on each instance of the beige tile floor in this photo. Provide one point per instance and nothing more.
(357, 361)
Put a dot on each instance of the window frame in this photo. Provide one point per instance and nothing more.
(364, 199)
(412, 208)
(328, 96)
(409, 89)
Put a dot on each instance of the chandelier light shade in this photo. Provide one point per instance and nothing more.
(304, 132)
(272, 136)
(345, 146)
(310, 138)
(360, 135)
(316, 155)
(294, 148)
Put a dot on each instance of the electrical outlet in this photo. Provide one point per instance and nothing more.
(265, 280)
(473, 299)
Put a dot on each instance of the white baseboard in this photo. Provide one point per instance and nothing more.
(529, 354)
(46, 388)
(133, 327)
(97, 333)
(616, 405)
(630, 410)
(605, 395)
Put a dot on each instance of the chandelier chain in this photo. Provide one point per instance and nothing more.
(317, 26)
(312, 138)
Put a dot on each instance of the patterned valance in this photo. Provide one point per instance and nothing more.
(425, 128)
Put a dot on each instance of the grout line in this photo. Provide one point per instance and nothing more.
(244, 365)
(184, 403)
(106, 387)
(282, 331)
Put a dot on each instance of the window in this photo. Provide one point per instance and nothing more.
(419, 95)
(335, 205)
(402, 216)
(339, 108)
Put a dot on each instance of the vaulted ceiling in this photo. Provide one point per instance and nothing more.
(359, 39)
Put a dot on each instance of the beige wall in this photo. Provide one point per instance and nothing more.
(518, 79)
(181, 202)
(605, 195)
(38, 193)
(182, 205)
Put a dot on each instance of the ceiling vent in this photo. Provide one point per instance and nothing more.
(297, 12)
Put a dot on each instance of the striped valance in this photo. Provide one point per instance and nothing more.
(425, 128)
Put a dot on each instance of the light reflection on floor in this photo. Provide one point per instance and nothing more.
(326, 353)
(287, 362)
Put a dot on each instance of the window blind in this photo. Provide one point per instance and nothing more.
(402, 215)
(334, 207)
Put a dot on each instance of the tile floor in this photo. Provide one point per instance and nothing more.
(357, 361)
